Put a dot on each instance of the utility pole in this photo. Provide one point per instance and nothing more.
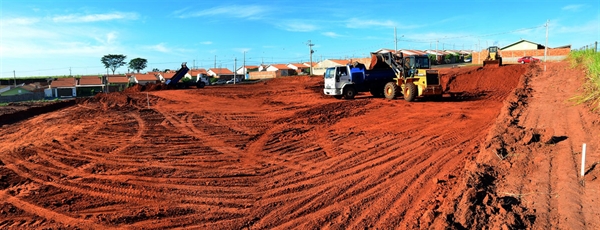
(234, 70)
(70, 72)
(546, 46)
(15, 77)
(395, 40)
(310, 45)
(479, 49)
(245, 70)
(436, 50)
(215, 62)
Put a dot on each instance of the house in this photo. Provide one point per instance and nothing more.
(523, 45)
(319, 68)
(63, 87)
(116, 83)
(18, 90)
(196, 73)
(246, 69)
(299, 68)
(89, 85)
(164, 77)
(512, 52)
(221, 73)
(413, 52)
(282, 69)
(262, 67)
(143, 79)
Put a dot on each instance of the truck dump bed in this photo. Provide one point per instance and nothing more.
(179, 75)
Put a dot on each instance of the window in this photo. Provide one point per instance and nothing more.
(329, 73)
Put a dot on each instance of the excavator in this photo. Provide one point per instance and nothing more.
(493, 58)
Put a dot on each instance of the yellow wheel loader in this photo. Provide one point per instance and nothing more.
(493, 58)
(414, 78)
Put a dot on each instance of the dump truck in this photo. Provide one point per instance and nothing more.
(177, 82)
(493, 57)
(346, 81)
(388, 75)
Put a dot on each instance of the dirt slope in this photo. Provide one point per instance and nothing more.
(277, 154)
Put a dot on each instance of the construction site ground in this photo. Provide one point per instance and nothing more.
(501, 150)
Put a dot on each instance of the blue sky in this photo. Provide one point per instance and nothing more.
(53, 37)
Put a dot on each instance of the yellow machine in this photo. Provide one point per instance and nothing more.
(414, 77)
(493, 57)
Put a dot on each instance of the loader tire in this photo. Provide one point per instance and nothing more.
(410, 92)
(349, 92)
(390, 90)
(200, 85)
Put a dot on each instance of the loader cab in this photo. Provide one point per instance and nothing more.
(413, 63)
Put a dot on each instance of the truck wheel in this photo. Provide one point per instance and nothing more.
(390, 90)
(410, 92)
(349, 92)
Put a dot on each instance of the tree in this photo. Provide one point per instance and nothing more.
(113, 61)
(155, 70)
(138, 64)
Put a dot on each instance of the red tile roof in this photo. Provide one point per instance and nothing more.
(117, 79)
(341, 62)
(281, 66)
(299, 65)
(90, 80)
(195, 72)
(63, 82)
(145, 77)
(221, 71)
(167, 76)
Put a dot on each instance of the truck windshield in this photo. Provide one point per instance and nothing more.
(329, 73)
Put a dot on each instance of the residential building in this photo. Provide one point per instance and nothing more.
(282, 69)
(220, 73)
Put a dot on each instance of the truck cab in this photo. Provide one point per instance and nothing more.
(336, 78)
(346, 81)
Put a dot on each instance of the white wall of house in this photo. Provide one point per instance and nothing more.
(523, 45)
(320, 68)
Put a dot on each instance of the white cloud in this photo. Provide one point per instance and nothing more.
(296, 26)
(235, 11)
(362, 23)
(206, 42)
(331, 34)
(19, 21)
(158, 47)
(96, 17)
(573, 7)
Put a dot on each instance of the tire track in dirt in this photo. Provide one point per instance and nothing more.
(281, 159)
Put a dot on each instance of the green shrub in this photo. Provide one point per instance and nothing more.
(590, 60)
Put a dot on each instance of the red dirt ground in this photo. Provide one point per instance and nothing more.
(503, 153)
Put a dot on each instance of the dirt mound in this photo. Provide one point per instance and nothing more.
(481, 81)
(271, 155)
(146, 88)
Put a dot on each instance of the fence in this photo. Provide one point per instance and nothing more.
(23, 97)
(593, 46)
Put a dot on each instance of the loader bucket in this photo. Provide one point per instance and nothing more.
(377, 63)
(494, 63)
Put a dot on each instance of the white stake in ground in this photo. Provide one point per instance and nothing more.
(583, 160)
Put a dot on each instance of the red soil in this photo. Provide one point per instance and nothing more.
(502, 153)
